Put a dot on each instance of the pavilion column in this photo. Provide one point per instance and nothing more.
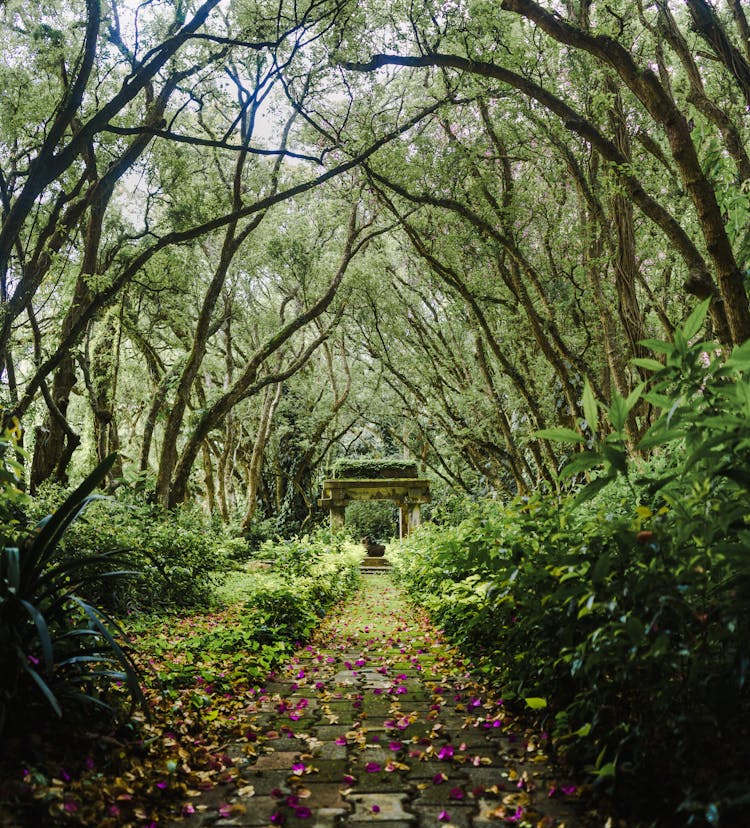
(403, 520)
(338, 517)
(415, 516)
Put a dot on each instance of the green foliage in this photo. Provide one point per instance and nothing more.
(624, 607)
(177, 555)
(372, 519)
(273, 610)
(372, 468)
(324, 564)
(12, 498)
(56, 647)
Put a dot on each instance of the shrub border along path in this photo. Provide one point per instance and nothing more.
(378, 721)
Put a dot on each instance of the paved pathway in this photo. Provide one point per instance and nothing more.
(377, 722)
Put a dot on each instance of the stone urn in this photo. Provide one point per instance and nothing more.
(373, 549)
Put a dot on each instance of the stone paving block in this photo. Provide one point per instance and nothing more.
(375, 782)
(389, 823)
(487, 776)
(286, 743)
(378, 754)
(324, 795)
(258, 812)
(266, 781)
(278, 760)
(346, 677)
(345, 715)
(427, 770)
(428, 815)
(441, 795)
(418, 729)
(329, 750)
(311, 702)
(322, 818)
(376, 706)
(327, 770)
(330, 732)
(380, 807)
(471, 737)
(491, 811)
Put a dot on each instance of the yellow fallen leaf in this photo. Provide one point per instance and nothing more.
(246, 790)
(516, 800)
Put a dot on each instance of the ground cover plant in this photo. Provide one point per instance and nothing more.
(621, 611)
(200, 669)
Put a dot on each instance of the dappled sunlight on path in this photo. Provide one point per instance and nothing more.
(378, 721)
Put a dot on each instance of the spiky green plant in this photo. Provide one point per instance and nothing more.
(54, 646)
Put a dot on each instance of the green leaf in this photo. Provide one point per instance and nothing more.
(634, 396)
(43, 686)
(591, 489)
(659, 400)
(581, 462)
(42, 632)
(559, 435)
(658, 435)
(635, 629)
(647, 363)
(740, 357)
(601, 568)
(590, 411)
(657, 345)
(618, 412)
(536, 703)
(13, 571)
(616, 457)
(101, 621)
(694, 322)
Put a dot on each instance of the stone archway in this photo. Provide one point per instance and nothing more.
(406, 492)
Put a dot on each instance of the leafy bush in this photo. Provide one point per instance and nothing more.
(276, 609)
(56, 647)
(622, 611)
(177, 555)
(372, 519)
(326, 562)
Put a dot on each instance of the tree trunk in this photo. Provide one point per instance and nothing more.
(271, 400)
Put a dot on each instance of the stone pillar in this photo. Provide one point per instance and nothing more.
(415, 516)
(403, 520)
(338, 517)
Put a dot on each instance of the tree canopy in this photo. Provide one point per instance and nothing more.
(240, 240)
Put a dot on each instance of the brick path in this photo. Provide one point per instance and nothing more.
(376, 722)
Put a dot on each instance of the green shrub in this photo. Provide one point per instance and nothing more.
(623, 610)
(372, 468)
(55, 647)
(373, 519)
(178, 555)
